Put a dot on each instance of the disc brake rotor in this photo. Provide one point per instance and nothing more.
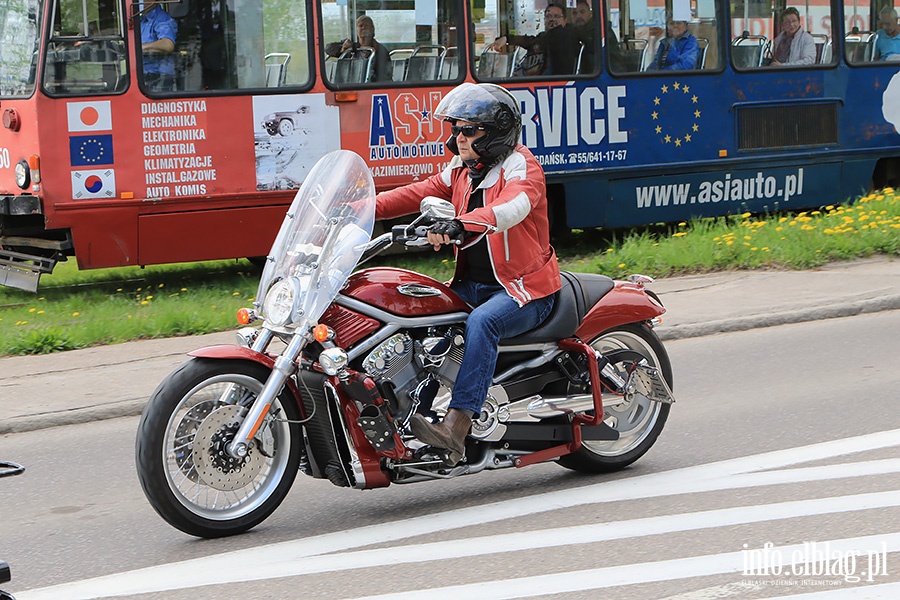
(216, 467)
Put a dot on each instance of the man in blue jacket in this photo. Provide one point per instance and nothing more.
(679, 51)
(158, 31)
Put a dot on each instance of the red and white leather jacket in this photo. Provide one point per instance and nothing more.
(514, 218)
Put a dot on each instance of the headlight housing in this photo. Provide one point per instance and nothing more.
(279, 304)
(23, 174)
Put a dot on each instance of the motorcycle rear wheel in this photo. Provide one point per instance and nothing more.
(186, 475)
(639, 421)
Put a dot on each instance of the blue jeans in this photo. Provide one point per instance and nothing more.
(496, 316)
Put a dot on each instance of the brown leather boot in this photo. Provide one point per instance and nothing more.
(450, 433)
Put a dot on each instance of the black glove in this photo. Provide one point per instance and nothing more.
(452, 228)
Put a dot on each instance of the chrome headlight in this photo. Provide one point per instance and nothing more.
(280, 301)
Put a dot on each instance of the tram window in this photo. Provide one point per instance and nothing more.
(375, 42)
(789, 35)
(231, 45)
(675, 35)
(19, 43)
(535, 38)
(872, 32)
(86, 51)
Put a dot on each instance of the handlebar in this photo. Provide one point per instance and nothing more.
(414, 236)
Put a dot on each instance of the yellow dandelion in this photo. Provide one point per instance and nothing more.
(183, 289)
(682, 224)
(144, 303)
(236, 294)
(621, 265)
(746, 215)
(679, 234)
(149, 297)
(76, 313)
(40, 312)
(31, 310)
(161, 285)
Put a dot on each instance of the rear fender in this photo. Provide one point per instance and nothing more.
(234, 352)
(626, 303)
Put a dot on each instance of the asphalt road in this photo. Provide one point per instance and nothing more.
(786, 436)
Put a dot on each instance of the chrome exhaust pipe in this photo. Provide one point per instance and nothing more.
(535, 408)
(542, 408)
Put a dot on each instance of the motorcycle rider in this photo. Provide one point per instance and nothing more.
(506, 268)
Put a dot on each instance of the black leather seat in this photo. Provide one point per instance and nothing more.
(579, 293)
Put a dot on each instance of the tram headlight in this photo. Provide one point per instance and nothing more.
(279, 302)
(23, 174)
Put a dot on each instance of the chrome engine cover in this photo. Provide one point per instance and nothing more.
(490, 425)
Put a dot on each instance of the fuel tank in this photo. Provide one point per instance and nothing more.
(403, 293)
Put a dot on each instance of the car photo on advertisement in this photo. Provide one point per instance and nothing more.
(284, 123)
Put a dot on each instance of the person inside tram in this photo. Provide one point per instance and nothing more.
(535, 61)
(567, 43)
(382, 69)
(158, 31)
(793, 46)
(678, 51)
(506, 269)
(887, 40)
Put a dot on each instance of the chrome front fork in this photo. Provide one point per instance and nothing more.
(285, 366)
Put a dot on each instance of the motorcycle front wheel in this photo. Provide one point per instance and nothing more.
(638, 421)
(182, 464)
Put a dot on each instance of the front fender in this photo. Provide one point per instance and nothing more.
(625, 303)
(233, 352)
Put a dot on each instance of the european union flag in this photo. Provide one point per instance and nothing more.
(90, 150)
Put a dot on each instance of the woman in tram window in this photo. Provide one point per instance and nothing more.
(793, 46)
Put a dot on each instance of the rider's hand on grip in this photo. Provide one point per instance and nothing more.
(452, 231)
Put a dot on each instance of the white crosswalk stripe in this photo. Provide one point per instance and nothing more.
(339, 552)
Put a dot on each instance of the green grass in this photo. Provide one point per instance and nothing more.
(77, 309)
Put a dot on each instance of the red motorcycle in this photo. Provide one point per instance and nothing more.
(327, 385)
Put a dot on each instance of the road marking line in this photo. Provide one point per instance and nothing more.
(592, 579)
(729, 474)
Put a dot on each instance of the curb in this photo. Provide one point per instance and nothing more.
(850, 309)
(134, 407)
(73, 416)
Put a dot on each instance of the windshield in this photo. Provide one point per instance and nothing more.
(19, 26)
(324, 233)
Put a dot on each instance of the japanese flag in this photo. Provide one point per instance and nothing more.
(94, 184)
(89, 116)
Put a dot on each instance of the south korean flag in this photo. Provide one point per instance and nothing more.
(94, 184)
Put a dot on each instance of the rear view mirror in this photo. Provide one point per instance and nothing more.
(437, 208)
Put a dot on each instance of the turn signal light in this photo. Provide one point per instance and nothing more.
(34, 163)
(322, 333)
(243, 316)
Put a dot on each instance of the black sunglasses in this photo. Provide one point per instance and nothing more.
(466, 130)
